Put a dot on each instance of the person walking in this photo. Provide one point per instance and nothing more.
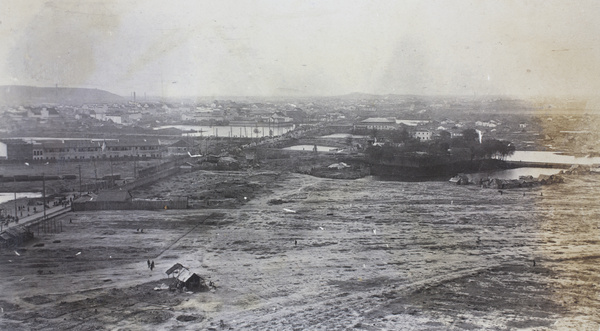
(152, 266)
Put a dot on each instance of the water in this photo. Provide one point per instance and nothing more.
(233, 131)
(551, 157)
(5, 197)
(309, 148)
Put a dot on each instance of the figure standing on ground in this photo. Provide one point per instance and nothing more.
(148, 263)
(152, 266)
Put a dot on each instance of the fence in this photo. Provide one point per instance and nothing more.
(149, 180)
(181, 203)
(150, 171)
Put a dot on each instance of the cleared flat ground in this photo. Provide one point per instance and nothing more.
(361, 254)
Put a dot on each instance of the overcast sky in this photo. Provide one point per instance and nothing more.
(278, 47)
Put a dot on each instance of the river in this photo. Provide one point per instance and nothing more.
(310, 148)
(232, 131)
(551, 157)
(5, 197)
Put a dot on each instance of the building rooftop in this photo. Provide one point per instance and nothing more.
(379, 120)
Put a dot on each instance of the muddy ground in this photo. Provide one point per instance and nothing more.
(210, 189)
(360, 254)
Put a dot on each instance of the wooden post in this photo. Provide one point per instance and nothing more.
(15, 182)
(111, 182)
(95, 176)
(79, 179)
(44, 192)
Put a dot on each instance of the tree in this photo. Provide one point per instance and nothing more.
(349, 140)
(445, 135)
(470, 135)
(374, 133)
(399, 136)
(374, 152)
(493, 148)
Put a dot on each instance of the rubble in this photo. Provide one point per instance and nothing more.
(524, 181)
(497, 183)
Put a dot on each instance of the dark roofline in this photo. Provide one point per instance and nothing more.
(176, 266)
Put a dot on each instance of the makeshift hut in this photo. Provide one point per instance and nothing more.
(174, 270)
(186, 279)
(190, 280)
(460, 179)
(15, 236)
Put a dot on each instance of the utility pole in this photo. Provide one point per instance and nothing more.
(112, 178)
(79, 179)
(15, 183)
(96, 176)
(44, 192)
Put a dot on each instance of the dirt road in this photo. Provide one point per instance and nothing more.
(363, 254)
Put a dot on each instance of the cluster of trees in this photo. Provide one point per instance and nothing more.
(484, 148)
(399, 144)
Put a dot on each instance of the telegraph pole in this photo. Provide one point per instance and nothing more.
(96, 176)
(15, 191)
(112, 178)
(44, 192)
(79, 179)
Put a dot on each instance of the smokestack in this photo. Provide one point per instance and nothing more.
(133, 96)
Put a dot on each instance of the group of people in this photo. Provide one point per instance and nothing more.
(151, 265)
(21, 209)
(62, 202)
(5, 220)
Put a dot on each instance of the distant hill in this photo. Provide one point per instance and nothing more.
(27, 95)
(366, 96)
(359, 95)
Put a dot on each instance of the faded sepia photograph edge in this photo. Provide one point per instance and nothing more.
(299, 165)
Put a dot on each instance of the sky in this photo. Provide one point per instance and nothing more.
(304, 48)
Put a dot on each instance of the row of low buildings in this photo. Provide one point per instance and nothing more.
(101, 113)
(381, 123)
(207, 114)
(42, 113)
(82, 149)
(425, 130)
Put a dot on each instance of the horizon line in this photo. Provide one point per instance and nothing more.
(476, 96)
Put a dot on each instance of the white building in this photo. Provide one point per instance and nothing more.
(423, 135)
(115, 118)
(412, 122)
(378, 123)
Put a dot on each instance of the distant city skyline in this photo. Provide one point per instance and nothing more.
(304, 48)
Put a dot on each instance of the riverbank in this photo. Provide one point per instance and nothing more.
(435, 172)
